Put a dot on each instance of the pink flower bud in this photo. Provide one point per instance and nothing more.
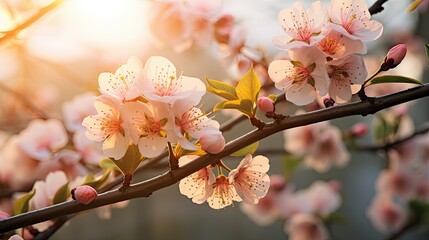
(4, 215)
(84, 194)
(359, 129)
(328, 101)
(266, 105)
(394, 57)
(212, 143)
(16, 237)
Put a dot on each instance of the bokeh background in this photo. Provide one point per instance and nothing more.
(61, 55)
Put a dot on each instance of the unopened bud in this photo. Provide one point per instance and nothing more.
(212, 143)
(394, 57)
(266, 105)
(359, 129)
(84, 194)
(328, 101)
(16, 237)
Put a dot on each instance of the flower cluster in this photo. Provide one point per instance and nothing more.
(249, 182)
(149, 106)
(323, 47)
(303, 210)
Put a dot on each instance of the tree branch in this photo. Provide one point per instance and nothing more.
(377, 7)
(42, 12)
(146, 188)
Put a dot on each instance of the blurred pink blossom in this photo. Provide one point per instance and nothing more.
(75, 110)
(305, 227)
(385, 214)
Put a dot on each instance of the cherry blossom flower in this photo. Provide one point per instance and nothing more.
(305, 227)
(146, 123)
(302, 26)
(250, 178)
(385, 214)
(212, 142)
(320, 144)
(303, 77)
(343, 73)
(41, 138)
(90, 151)
(223, 194)
(324, 198)
(193, 122)
(75, 110)
(107, 127)
(352, 18)
(161, 84)
(16, 237)
(337, 45)
(266, 211)
(234, 46)
(197, 186)
(122, 85)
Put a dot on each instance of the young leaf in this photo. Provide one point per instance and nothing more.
(249, 85)
(98, 182)
(107, 163)
(246, 150)
(62, 194)
(393, 79)
(221, 89)
(290, 164)
(129, 163)
(21, 204)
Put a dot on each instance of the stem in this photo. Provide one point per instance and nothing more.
(174, 162)
(361, 92)
(27, 23)
(146, 188)
(377, 7)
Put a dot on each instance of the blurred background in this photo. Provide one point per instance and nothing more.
(62, 54)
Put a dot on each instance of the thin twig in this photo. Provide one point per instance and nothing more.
(146, 188)
(27, 23)
(377, 7)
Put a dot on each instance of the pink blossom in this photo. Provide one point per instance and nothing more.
(302, 78)
(250, 178)
(16, 237)
(343, 73)
(324, 199)
(4, 215)
(122, 85)
(305, 227)
(212, 142)
(359, 129)
(234, 46)
(84, 194)
(194, 123)
(292, 203)
(146, 124)
(45, 193)
(75, 110)
(223, 193)
(337, 45)
(397, 181)
(90, 151)
(107, 127)
(303, 27)
(320, 144)
(223, 27)
(161, 84)
(266, 211)
(385, 214)
(198, 185)
(41, 138)
(352, 18)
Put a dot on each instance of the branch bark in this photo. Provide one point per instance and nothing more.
(146, 188)
(377, 7)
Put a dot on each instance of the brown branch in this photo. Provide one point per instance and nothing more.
(27, 23)
(146, 188)
(387, 146)
(377, 7)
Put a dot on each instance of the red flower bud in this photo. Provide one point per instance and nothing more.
(4, 215)
(394, 57)
(359, 129)
(84, 194)
(212, 143)
(266, 105)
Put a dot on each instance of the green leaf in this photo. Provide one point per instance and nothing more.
(291, 163)
(420, 210)
(130, 161)
(380, 129)
(245, 106)
(427, 50)
(248, 87)
(98, 182)
(246, 150)
(336, 217)
(107, 163)
(62, 194)
(393, 79)
(221, 89)
(21, 204)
